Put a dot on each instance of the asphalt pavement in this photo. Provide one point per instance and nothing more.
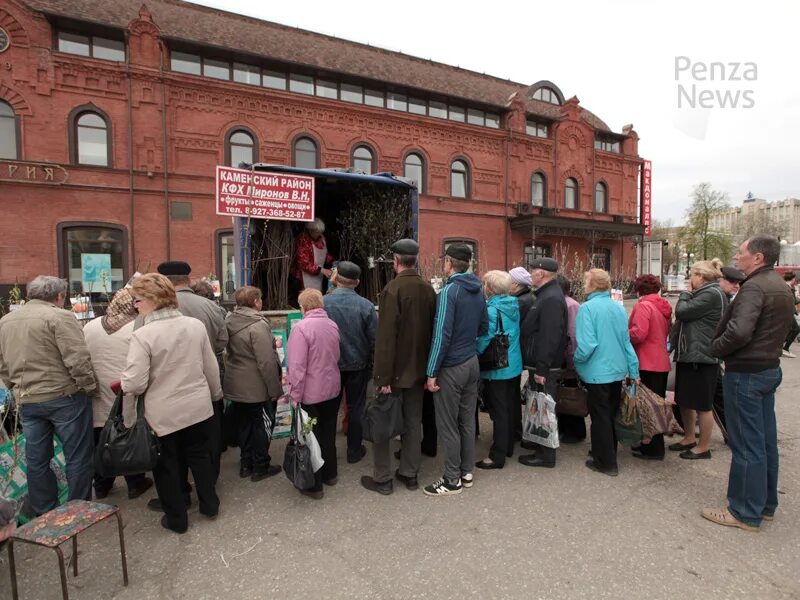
(517, 533)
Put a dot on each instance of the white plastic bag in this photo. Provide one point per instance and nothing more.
(310, 440)
(540, 424)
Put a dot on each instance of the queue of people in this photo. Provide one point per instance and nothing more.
(160, 339)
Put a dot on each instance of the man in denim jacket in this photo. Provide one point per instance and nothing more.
(357, 322)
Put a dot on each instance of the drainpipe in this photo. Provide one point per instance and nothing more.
(507, 224)
(164, 142)
(131, 201)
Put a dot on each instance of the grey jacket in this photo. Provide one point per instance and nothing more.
(252, 370)
(192, 305)
(698, 314)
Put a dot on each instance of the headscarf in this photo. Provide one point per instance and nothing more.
(520, 276)
(120, 312)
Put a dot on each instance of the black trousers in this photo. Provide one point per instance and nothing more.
(604, 400)
(657, 382)
(254, 428)
(793, 333)
(103, 484)
(429, 434)
(188, 448)
(326, 413)
(501, 401)
(718, 408)
(354, 388)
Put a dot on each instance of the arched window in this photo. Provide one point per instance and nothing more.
(91, 133)
(413, 169)
(363, 159)
(538, 190)
(546, 94)
(600, 197)
(459, 179)
(241, 148)
(571, 194)
(9, 141)
(305, 153)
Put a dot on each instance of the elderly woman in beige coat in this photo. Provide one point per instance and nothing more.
(252, 382)
(171, 359)
(108, 339)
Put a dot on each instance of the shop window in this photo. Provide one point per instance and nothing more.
(600, 197)
(9, 138)
(571, 194)
(473, 245)
(363, 159)
(546, 94)
(531, 253)
(601, 259)
(413, 169)
(93, 258)
(538, 190)
(305, 153)
(91, 45)
(241, 147)
(90, 133)
(226, 265)
(459, 179)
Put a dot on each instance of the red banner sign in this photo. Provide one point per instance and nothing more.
(263, 195)
(647, 171)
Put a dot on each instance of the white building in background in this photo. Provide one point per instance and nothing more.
(784, 211)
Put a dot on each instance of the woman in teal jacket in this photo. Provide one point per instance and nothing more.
(603, 359)
(501, 386)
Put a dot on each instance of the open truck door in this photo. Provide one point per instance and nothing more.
(363, 216)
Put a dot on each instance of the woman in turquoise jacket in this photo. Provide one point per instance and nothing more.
(501, 386)
(603, 359)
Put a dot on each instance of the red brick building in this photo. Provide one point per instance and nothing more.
(113, 117)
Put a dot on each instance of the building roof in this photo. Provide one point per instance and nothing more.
(179, 20)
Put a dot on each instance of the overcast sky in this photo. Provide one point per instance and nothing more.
(619, 58)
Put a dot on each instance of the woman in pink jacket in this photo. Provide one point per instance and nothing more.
(648, 326)
(312, 353)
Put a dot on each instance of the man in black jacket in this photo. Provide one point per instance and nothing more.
(544, 340)
(750, 339)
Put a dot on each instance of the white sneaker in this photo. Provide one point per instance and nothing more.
(788, 354)
(466, 480)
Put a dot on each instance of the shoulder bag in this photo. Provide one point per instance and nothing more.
(496, 354)
(125, 450)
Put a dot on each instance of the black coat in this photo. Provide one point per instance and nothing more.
(544, 331)
(525, 299)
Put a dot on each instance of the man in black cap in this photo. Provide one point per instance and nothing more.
(731, 280)
(453, 369)
(544, 340)
(357, 322)
(406, 308)
(208, 313)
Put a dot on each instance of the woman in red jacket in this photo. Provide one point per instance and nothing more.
(648, 326)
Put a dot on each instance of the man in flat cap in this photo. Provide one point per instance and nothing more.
(453, 369)
(544, 342)
(208, 313)
(406, 309)
(732, 278)
(357, 322)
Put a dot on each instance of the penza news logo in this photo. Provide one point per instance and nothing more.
(715, 84)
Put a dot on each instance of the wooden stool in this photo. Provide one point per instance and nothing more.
(59, 525)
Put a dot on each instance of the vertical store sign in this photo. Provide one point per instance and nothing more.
(647, 171)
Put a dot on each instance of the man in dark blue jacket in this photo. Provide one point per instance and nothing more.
(357, 321)
(453, 370)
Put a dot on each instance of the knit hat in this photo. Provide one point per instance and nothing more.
(520, 276)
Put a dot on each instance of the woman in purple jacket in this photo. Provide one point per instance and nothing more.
(312, 353)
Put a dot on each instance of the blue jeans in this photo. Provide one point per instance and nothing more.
(70, 418)
(753, 437)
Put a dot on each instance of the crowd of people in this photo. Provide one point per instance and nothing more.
(162, 339)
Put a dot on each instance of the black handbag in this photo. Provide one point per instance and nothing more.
(125, 450)
(297, 458)
(383, 418)
(496, 354)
